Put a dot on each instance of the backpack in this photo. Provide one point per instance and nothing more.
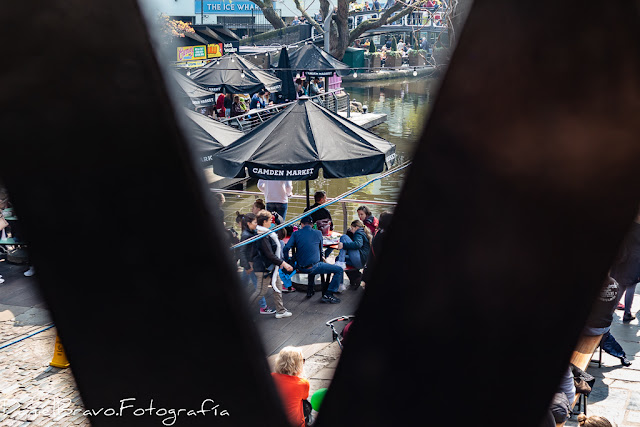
(233, 239)
(260, 262)
(324, 225)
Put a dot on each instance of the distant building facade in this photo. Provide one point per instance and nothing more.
(243, 17)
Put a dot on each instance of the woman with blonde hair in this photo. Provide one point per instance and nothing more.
(293, 389)
(593, 421)
(354, 252)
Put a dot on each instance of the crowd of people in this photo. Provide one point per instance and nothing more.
(232, 105)
(268, 263)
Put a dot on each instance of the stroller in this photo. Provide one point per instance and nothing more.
(340, 336)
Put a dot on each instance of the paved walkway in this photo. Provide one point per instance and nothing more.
(33, 393)
(616, 393)
(36, 394)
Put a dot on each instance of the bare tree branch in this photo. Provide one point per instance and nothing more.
(384, 19)
(269, 13)
(308, 17)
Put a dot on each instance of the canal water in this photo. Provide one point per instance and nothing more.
(406, 104)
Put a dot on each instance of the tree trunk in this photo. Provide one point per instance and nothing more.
(300, 7)
(324, 8)
(345, 38)
(340, 41)
(269, 13)
(459, 10)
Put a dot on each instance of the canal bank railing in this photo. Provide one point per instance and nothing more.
(342, 213)
(341, 197)
(333, 100)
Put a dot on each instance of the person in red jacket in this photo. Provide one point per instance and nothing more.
(220, 109)
(293, 389)
(368, 219)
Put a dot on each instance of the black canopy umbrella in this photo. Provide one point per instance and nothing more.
(300, 140)
(234, 74)
(315, 62)
(198, 96)
(209, 135)
(284, 73)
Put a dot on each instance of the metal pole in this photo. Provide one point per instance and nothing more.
(327, 31)
(201, 12)
(307, 184)
(344, 216)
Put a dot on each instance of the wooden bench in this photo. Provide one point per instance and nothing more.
(581, 357)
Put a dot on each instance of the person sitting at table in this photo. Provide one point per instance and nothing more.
(601, 317)
(322, 217)
(236, 107)
(305, 87)
(320, 198)
(267, 99)
(354, 252)
(376, 247)
(309, 259)
(257, 100)
(368, 219)
(220, 109)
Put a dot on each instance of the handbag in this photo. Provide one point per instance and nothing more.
(582, 380)
(306, 409)
(324, 225)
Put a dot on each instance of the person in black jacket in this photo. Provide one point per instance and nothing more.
(267, 260)
(322, 217)
(601, 317)
(248, 225)
(376, 246)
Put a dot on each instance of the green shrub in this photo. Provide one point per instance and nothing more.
(394, 44)
(422, 52)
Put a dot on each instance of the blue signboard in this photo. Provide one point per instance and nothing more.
(226, 7)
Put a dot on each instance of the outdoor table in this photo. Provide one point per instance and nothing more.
(334, 235)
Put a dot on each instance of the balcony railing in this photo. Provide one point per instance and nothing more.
(334, 100)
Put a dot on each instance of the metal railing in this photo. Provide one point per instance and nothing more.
(342, 214)
(333, 100)
(256, 23)
(420, 17)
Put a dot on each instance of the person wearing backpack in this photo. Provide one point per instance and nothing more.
(267, 260)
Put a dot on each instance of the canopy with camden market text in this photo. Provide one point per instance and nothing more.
(234, 74)
(299, 141)
(315, 62)
(209, 136)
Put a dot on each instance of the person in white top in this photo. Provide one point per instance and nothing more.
(276, 194)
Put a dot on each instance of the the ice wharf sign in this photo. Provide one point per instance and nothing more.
(227, 7)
